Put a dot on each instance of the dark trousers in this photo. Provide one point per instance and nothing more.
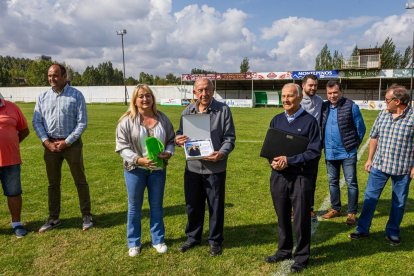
(198, 188)
(287, 192)
(74, 157)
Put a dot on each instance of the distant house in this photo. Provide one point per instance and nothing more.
(365, 59)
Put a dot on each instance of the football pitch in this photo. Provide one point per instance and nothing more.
(250, 222)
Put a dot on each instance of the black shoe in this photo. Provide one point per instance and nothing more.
(215, 250)
(277, 258)
(394, 241)
(358, 236)
(297, 267)
(188, 245)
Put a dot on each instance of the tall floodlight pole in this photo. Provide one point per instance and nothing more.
(122, 33)
(410, 5)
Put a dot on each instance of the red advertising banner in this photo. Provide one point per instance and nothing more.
(193, 77)
(235, 76)
(272, 75)
(218, 76)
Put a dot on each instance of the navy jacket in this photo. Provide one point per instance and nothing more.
(346, 124)
(304, 125)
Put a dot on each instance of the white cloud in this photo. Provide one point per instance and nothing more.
(399, 28)
(82, 33)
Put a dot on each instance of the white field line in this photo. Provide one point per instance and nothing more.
(284, 267)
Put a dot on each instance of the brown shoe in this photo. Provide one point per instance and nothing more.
(351, 219)
(332, 214)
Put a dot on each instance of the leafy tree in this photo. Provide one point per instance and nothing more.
(146, 78)
(406, 58)
(389, 56)
(337, 60)
(172, 79)
(37, 73)
(109, 75)
(355, 51)
(244, 65)
(159, 81)
(76, 79)
(91, 76)
(323, 60)
(131, 81)
(5, 77)
(201, 71)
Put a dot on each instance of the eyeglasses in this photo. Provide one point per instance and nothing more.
(389, 100)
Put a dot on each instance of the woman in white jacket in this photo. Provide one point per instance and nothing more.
(142, 120)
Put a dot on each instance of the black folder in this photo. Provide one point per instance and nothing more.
(282, 143)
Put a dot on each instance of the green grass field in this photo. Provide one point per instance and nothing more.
(250, 221)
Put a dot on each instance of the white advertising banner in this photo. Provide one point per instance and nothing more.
(237, 102)
(371, 105)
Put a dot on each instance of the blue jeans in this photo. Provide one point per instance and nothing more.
(349, 169)
(376, 182)
(136, 181)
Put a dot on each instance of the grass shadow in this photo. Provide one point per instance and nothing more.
(374, 244)
(106, 220)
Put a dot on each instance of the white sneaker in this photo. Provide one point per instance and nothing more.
(133, 251)
(87, 223)
(161, 247)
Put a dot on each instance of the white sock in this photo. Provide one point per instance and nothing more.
(15, 224)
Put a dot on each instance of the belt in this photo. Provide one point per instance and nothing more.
(56, 139)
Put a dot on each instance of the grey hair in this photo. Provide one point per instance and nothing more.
(399, 92)
(210, 83)
(298, 88)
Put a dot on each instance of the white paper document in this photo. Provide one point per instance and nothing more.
(197, 128)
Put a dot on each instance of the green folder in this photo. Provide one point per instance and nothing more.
(155, 147)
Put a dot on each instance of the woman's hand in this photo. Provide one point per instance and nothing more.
(146, 162)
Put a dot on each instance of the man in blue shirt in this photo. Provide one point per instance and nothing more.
(59, 120)
(343, 129)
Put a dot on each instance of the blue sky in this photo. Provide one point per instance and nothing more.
(174, 36)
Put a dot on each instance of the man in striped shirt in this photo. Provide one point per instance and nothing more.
(59, 120)
(391, 155)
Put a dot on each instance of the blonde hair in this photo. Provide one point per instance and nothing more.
(132, 111)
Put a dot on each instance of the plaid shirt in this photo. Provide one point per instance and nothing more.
(395, 150)
(60, 115)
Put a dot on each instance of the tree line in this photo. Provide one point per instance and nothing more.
(391, 58)
(28, 72)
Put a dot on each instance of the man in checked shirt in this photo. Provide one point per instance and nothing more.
(391, 155)
(59, 120)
